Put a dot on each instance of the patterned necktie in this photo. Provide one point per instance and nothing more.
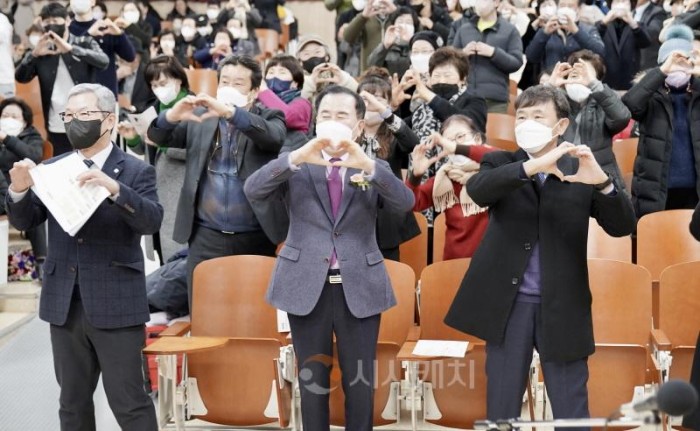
(542, 177)
(335, 192)
(88, 163)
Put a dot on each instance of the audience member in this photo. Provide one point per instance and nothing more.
(367, 28)
(315, 57)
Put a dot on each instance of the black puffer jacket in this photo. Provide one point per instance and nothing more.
(602, 116)
(28, 144)
(651, 106)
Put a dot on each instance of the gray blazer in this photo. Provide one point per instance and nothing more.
(302, 265)
(104, 258)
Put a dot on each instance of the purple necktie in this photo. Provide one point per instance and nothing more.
(335, 192)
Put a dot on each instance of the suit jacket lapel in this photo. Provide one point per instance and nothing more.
(348, 193)
(113, 166)
(318, 178)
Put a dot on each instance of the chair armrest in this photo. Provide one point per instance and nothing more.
(175, 345)
(177, 329)
(413, 334)
(659, 340)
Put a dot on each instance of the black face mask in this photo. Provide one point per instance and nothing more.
(418, 8)
(446, 91)
(312, 62)
(84, 134)
(59, 29)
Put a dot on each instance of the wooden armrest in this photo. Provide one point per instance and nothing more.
(175, 345)
(413, 333)
(659, 340)
(177, 329)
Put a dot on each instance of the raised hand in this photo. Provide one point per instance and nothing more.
(44, 47)
(20, 180)
(398, 92)
(372, 103)
(62, 45)
(356, 158)
(214, 107)
(470, 49)
(448, 146)
(581, 73)
(677, 61)
(589, 171)
(96, 177)
(126, 130)
(484, 49)
(184, 111)
(552, 25)
(560, 74)
(311, 152)
(548, 162)
(391, 35)
(421, 162)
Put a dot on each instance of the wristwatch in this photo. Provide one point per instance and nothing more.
(604, 184)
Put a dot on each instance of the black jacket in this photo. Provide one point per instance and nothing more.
(653, 19)
(522, 213)
(256, 146)
(622, 52)
(27, 145)
(467, 104)
(82, 62)
(651, 106)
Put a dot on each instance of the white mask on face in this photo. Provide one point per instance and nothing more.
(334, 131)
(667, 6)
(231, 96)
(238, 33)
(167, 93)
(98, 14)
(533, 136)
(34, 40)
(359, 4)
(577, 92)
(420, 62)
(132, 16)
(548, 11)
(567, 12)
(188, 33)
(212, 14)
(204, 31)
(80, 6)
(167, 44)
(11, 126)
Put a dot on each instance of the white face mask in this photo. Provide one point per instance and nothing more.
(407, 31)
(80, 6)
(548, 11)
(98, 14)
(231, 96)
(458, 159)
(359, 4)
(667, 6)
(467, 4)
(34, 40)
(11, 126)
(533, 136)
(566, 13)
(132, 16)
(238, 33)
(622, 8)
(334, 131)
(204, 31)
(577, 92)
(167, 44)
(420, 62)
(167, 93)
(212, 14)
(188, 33)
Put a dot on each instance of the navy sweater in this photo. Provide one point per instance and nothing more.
(682, 167)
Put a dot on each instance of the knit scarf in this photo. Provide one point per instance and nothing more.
(370, 145)
(443, 191)
(288, 95)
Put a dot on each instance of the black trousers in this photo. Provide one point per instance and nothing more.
(357, 350)
(207, 244)
(60, 143)
(507, 367)
(80, 353)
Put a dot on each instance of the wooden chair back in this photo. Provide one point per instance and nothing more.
(625, 151)
(500, 131)
(47, 150)
(398, 320)
(603, 246)
(439, 233)
(202, 81)
(614, 371)
(31, 94)
(414, 252)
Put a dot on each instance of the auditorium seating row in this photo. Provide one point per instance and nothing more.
(239, 369)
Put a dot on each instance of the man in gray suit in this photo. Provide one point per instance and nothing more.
(330, 276)
(94, 288)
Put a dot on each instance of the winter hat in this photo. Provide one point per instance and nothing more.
(429, 36)
(677, 38)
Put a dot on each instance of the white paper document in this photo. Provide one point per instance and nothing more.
(70, 204)
(441, 348)
(143, 120)
(282, 322)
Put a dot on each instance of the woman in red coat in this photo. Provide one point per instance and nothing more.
(466, 222)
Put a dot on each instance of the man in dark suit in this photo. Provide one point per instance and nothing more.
(330, 275)
(94, 288)
(227, 139)
(527, 285)
(651, 16)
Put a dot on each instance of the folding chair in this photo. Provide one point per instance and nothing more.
(237, 369)
(625, 151)
(202, 81)
(500, 131)
(664, 239)
(31, 94)
(621, 310)
(414, 252)
(603, 246)
(439, 232)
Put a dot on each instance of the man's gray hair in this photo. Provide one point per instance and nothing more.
(105, 98)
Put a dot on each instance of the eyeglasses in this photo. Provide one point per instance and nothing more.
(462, 138)
(82, 116)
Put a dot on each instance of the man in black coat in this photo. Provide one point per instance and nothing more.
(527, 285)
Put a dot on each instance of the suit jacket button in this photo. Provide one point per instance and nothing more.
(80, 240)
(337, 234)
(326, 260)
(514, 280)
(72, 269)
(528, 246)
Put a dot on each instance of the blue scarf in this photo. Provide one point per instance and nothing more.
(289, 95)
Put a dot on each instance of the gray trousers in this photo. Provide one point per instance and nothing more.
(357, 350)
(80, 353)
(508, 364)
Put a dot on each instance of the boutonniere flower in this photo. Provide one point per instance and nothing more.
(358, 180)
